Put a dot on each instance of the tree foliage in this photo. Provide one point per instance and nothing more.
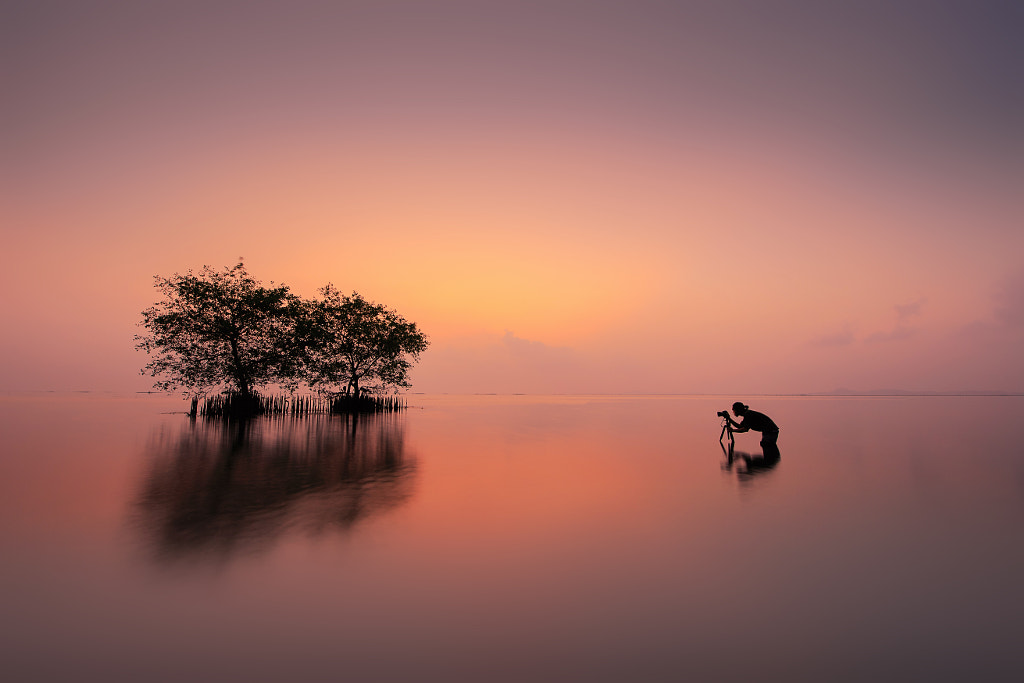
(219, 329)
(355, 345)
(225, 330)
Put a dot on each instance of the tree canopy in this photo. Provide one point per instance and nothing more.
(226, 330)
(347, 340)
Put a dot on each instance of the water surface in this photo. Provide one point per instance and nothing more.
(512, 538)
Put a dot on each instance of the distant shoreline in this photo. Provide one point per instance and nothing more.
(821, 394)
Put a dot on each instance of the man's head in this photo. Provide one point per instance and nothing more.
(739, 409)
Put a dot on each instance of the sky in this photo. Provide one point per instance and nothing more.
(565, 196)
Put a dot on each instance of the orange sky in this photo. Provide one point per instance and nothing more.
(566, 196)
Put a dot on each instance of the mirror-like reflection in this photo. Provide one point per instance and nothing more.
(218, 488)
(554, 537)
(746, 465)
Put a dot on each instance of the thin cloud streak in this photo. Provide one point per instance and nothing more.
(897, 334)
(844, 337)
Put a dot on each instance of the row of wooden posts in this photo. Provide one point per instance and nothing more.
(237, 405)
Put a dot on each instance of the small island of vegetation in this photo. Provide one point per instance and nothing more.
(221, 336)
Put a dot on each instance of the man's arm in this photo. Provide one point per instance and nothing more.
(737, 426)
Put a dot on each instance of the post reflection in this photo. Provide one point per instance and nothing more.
(219, 488)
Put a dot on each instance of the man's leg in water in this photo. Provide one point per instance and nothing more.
(770, 446)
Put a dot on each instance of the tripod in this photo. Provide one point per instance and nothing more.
(727, 429)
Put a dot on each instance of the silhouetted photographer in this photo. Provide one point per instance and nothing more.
(757, 422)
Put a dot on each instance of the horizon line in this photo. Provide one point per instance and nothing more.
(838, 393)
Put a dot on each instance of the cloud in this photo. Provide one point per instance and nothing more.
(904, 313)
(842, 338)
(534, 351)
(1007, 312)
(907, 311)
(1008, 301)
(505, 364)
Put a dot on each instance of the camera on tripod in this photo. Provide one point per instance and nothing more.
(726, 428)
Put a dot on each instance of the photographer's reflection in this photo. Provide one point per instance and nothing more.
(748, 465)
(217, 488)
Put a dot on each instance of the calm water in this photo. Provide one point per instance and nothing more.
(512, 538)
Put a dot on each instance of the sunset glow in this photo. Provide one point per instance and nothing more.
(568, 197)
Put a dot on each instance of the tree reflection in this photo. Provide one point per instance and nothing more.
(219, 488)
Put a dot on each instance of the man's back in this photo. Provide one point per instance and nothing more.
(759, 422)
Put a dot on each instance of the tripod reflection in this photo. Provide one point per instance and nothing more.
(215, 489)
(747, 465)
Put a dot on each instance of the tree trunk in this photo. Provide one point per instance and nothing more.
(241, 379)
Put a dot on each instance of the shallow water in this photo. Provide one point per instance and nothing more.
(512, 538)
